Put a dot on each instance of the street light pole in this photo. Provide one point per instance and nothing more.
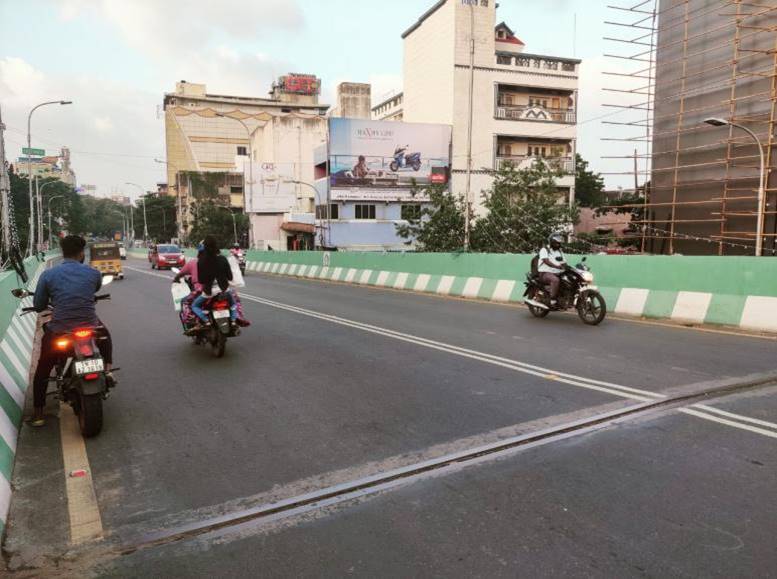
(31, 244)
(315, 203)
(250, 171)
(178, 194)
(718, 122)
(50, 200)
(145, 220)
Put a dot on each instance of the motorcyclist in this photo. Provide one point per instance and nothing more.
(236, 251)
(551, 266)
(213, 268)
(69, 288)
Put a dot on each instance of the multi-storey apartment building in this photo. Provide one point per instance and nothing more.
(463, 69)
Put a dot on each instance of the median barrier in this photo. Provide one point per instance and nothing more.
(18, 334)
(731, 291)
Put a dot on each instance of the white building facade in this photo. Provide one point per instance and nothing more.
(505, 105)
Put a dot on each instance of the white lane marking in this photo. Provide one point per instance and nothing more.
(739, 417)
(691, 307)
(547, 374)
(422, 281)
(739, 425)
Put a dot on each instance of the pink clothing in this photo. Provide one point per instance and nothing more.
(190, 269)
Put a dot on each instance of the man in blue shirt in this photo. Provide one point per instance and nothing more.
(69, 288)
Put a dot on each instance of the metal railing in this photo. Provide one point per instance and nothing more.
(538, 63)
(564, 164)
(535, 113)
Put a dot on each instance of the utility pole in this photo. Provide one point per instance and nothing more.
(467, 224)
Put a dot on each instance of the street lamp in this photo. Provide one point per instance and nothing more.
(50, 200)
(145, 220)
(315, 203)
(29, 167)
(178, 194)
(718, 122)
(250, 164)
(234, 220)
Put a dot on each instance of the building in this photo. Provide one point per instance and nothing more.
(375, 175)
(258, 145)
(121, 200)
(389, 109)
(48, 167)
(713, 62)
(463, 69)
(354, 101)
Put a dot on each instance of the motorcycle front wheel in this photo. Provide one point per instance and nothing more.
(591, 308)
(394, 167)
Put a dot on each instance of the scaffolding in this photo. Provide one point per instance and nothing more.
(692, 60)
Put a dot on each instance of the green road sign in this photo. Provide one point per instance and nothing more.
(34, 152)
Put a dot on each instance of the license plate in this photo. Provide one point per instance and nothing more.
(89, 366)
(221, 314)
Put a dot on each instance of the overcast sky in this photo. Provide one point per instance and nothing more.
(116, 58)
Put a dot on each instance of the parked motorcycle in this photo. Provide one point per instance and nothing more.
(217, 308)
(403, 160)
(80, 371)
(576, 291)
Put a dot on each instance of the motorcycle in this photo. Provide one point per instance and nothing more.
(403, 160)
(219, 315)
(80, 370)
(241, 261)
(576, 291)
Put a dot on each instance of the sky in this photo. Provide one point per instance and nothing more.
(116, 58)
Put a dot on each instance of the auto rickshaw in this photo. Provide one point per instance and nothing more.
(106, 258)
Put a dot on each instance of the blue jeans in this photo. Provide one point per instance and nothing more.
(202, 298)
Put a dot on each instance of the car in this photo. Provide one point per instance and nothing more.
(166, 256)
(122, 251)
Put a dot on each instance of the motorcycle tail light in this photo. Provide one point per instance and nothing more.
(223, 305)
(62, 344)
(91, 377)
(82, 334)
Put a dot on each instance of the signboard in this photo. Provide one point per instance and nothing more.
(272, 190)
(304, 84)
(384, 160)
(33, 152)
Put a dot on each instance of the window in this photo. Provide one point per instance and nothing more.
(502, 59)
(321, 211)
(236, 190)
(365, 211)
(411, 212)
(242, 151)
(538, 102)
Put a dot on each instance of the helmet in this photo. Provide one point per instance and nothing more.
(556, 238)
(200, 248)
(235, 246)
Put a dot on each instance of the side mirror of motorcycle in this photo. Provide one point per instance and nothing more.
(585, 259)
(107, 280)
(20, 293)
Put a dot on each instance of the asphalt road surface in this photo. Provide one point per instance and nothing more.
(362, 432)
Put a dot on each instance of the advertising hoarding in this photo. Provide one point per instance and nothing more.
(384, 161)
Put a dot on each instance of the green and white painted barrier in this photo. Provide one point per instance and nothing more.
(18, 334)
(732, 291)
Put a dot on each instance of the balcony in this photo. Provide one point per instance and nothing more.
(564, 164)
(536, 113)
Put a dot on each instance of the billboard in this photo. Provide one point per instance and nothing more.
(383, 160)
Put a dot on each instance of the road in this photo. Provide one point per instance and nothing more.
(379, 397)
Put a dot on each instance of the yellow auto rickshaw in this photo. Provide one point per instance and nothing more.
(106, 257)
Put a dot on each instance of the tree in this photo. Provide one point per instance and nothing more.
(524, 207)
(589, 186)
(213, 219)
(440, 226)
(161, 215)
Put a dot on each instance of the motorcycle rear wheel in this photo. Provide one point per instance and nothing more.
(219, 345)
(90, 414)
(394, 167)
(535, 311)
(591, 308)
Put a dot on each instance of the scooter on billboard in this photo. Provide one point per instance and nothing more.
(402, 160)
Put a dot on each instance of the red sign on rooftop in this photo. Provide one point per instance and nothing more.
(305, 84)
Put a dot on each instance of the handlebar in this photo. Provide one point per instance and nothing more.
(28, 310)
(102, 297)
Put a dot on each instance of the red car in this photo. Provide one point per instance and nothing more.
(166, 257)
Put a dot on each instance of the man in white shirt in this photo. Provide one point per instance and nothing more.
(551, 265)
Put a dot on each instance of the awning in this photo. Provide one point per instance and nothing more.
(299, 227)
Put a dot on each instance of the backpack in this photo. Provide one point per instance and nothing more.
(535, 265)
